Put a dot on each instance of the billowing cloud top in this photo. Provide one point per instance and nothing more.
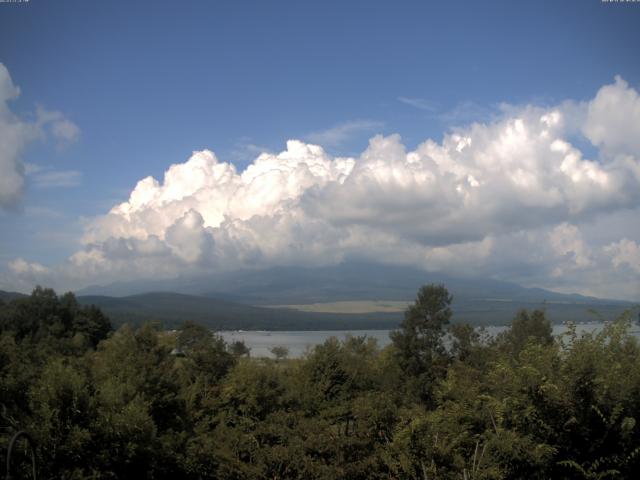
(507, 198)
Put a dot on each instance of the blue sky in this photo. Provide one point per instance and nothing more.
(147, 83)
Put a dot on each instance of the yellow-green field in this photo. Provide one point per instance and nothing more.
(350, 306)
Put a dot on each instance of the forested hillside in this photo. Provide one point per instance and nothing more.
(172, 309)
(145, 403)
(477, 300)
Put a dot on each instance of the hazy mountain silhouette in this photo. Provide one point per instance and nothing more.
(233, 300)
(346, 281)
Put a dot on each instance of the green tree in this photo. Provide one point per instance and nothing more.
(527, 327)
(239, 349)
(419, 341)
(141, 420)
(279, 352)
(59, 323)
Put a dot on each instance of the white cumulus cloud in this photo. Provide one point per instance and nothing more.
(625, 253)
(507, 198)
(613, 120)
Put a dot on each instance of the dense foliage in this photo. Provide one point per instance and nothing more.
(441, 402)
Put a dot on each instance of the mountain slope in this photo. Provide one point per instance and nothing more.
(8, 296)
(172, 309)
(233, 300)
(346, 281)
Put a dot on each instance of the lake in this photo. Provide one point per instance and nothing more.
(261, 342)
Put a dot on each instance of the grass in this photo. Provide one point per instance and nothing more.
(350, 306)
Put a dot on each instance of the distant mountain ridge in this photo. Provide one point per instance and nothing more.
(257, 299)
(8, 296)
(235, 300)
(171, 309)
(346, 281)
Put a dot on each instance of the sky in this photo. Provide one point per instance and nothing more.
(155, 139)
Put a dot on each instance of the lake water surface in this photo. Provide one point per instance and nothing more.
(298, 342)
